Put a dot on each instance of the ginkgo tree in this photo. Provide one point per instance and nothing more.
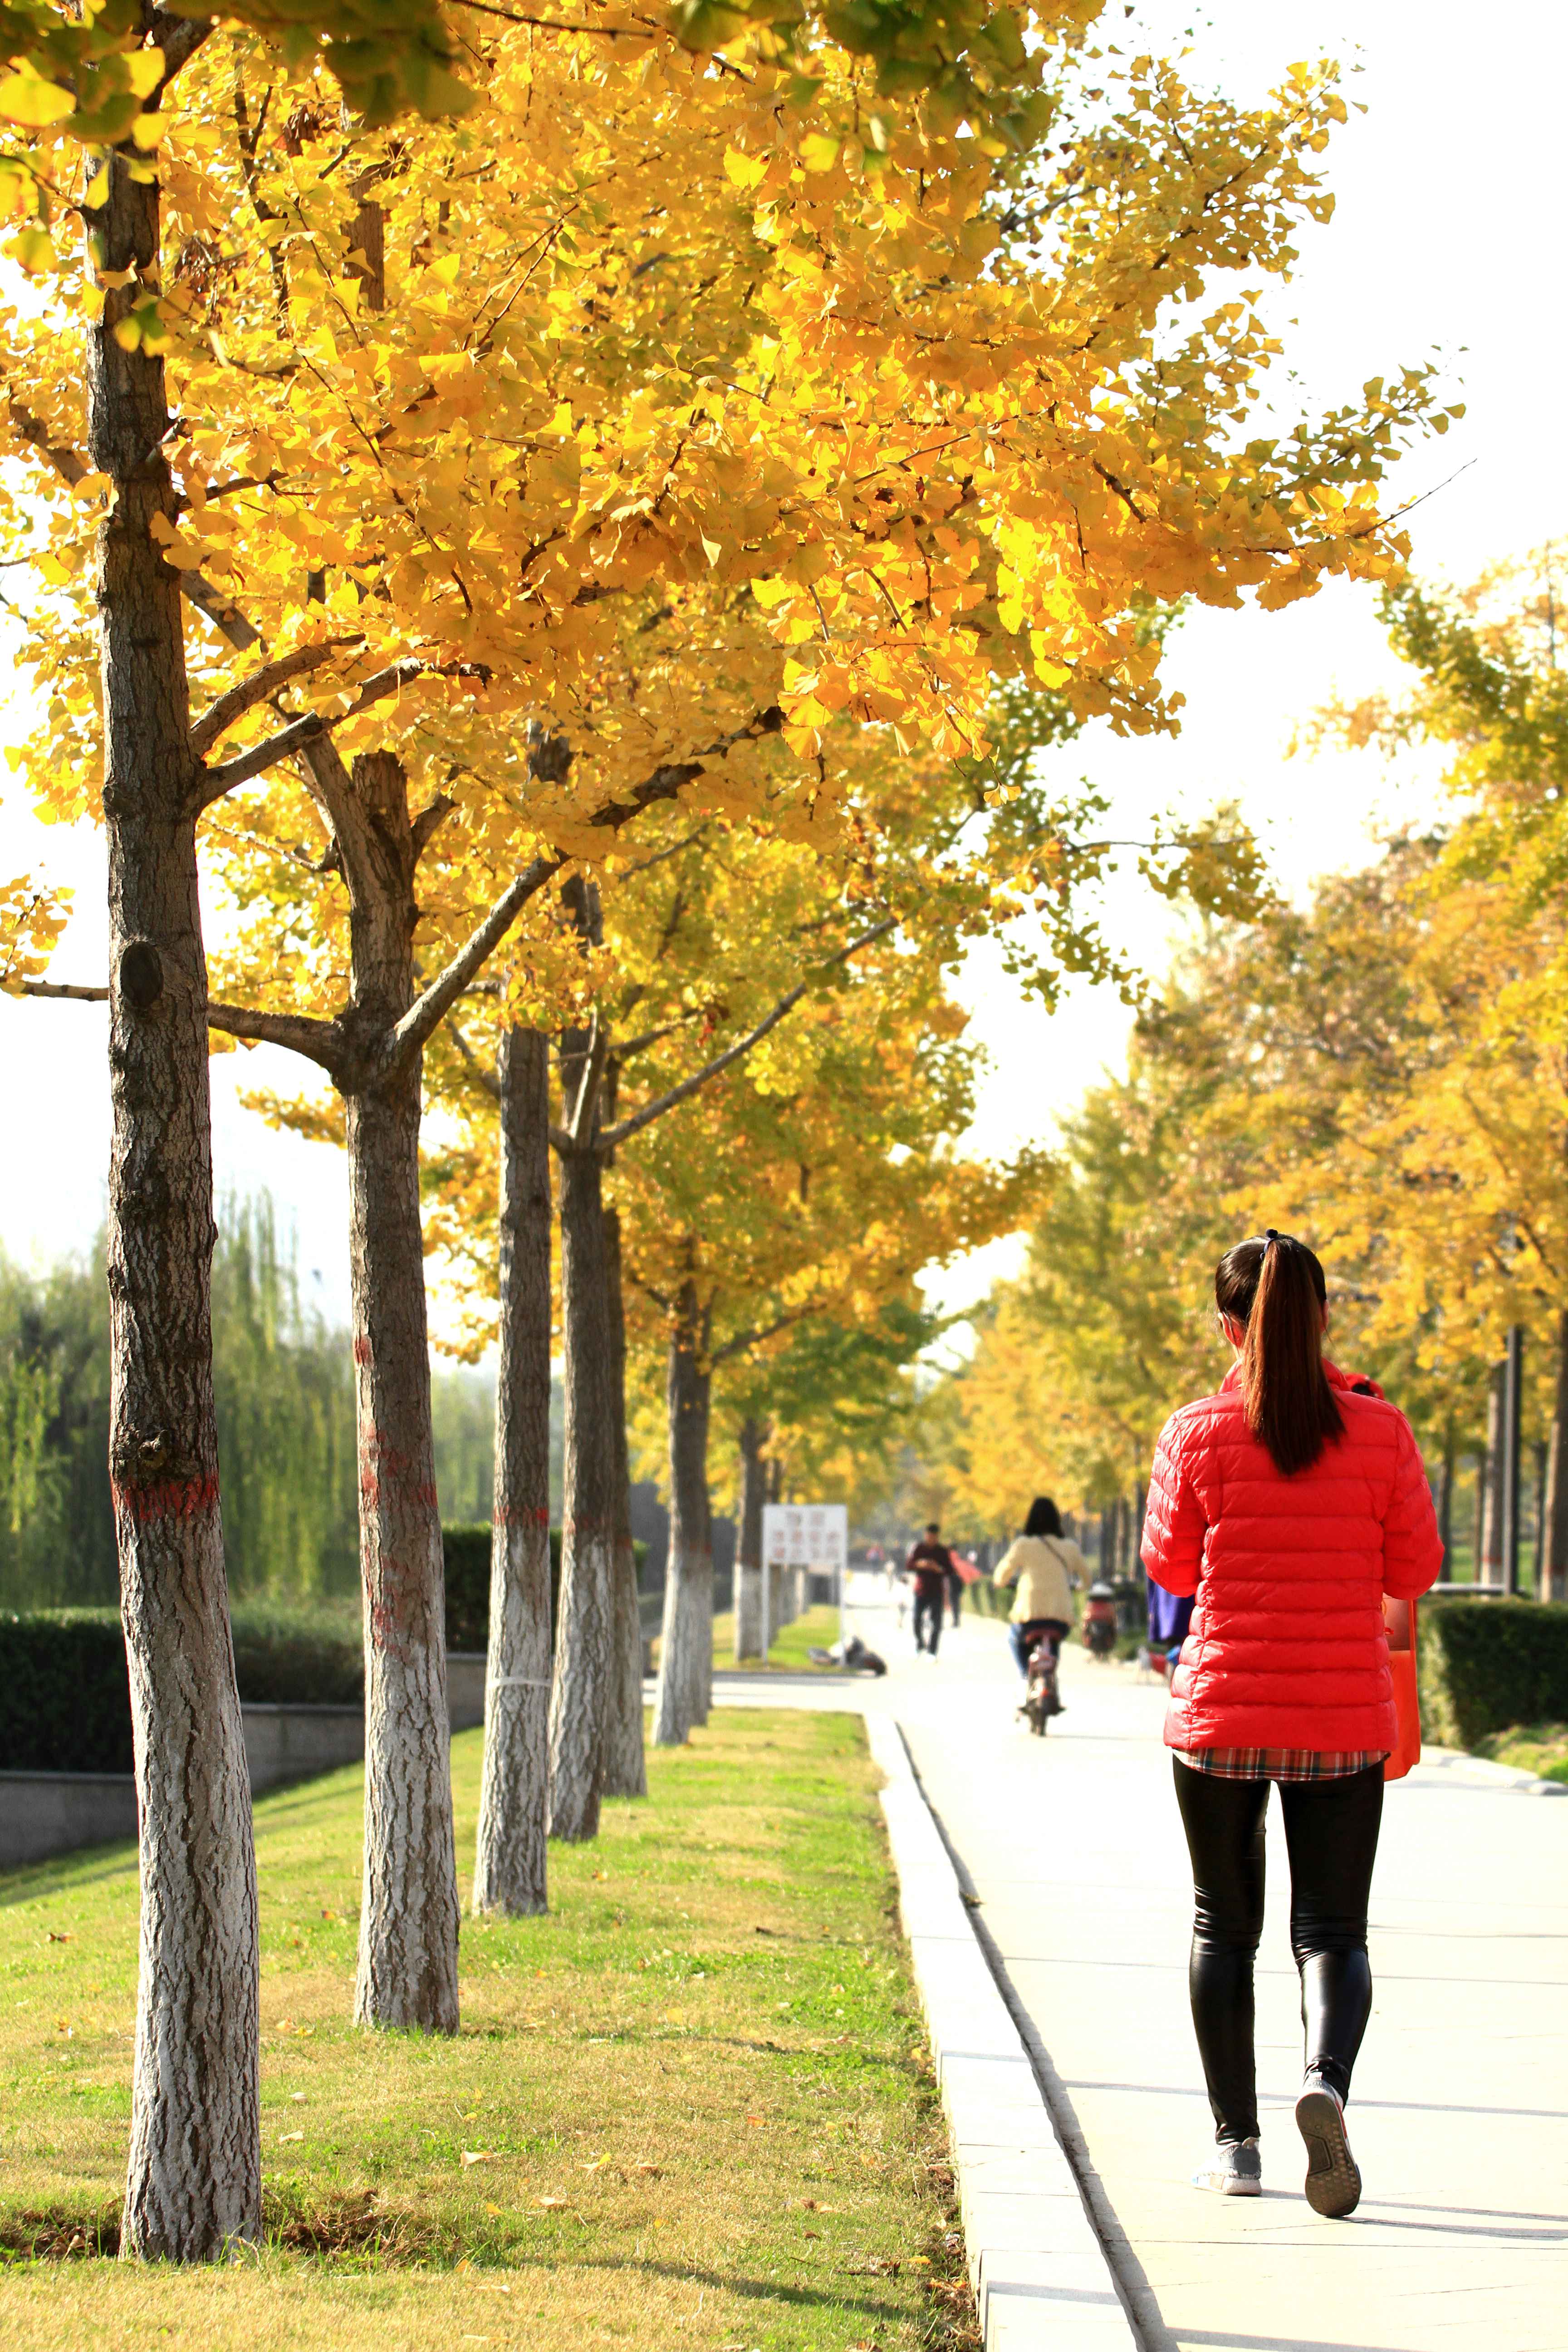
(923, 451)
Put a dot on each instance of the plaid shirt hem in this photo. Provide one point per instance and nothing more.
(1281, 1763)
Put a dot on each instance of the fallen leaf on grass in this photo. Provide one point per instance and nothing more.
(764, 1931)
(284, 2137)
(477, 2155)
(298, 2097)
(495, 2290)
(595, 2164)
(552, 2204)
(654, 2171)
(758, 2120)
(63, 1937)
(811, 2233)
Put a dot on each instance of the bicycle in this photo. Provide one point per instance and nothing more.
(1042, 1694)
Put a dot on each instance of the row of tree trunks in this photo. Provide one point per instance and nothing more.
(686, 1655)
(509, 1861)
(194, 2176)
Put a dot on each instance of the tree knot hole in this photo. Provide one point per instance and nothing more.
(140, 975)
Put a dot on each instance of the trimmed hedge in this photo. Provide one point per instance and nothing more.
(467, 1555)
(1486, 1665)
(65, 1702)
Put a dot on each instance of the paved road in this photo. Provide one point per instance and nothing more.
(1460, 2111)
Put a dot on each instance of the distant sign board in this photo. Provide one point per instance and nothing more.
(806, 1535)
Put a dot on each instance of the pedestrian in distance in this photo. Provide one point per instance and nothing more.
(1045, 1567)
(955, 1592)
(1293, 1505)
(930, 1564)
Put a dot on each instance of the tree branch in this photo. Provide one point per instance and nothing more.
(258, 757)
(626, 1127)
(477, 1070)
(420, 1020)
(319, 1040)
(59, 989)
(259, 686)
(301, 733)
(744, 1340)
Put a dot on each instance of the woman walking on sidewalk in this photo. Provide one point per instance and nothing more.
(1292, 1504)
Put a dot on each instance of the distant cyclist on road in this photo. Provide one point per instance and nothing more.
(930, 1564)
(1045, 1564)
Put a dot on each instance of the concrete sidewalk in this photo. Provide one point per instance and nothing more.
(1460, 2111)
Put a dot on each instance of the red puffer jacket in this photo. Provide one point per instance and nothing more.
(1287, 1647)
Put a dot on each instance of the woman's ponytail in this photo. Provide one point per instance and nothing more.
(1276, 1288)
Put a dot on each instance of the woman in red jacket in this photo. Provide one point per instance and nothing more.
(1291, 1503)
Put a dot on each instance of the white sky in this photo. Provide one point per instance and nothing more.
(1445, 243)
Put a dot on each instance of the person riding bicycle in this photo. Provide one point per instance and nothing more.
(1045, 1564)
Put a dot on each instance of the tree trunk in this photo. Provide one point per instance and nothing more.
(1555, 1575)
(407, 1973)
(584, 1633)
(625, 1771)
(193, 2177)
(681, 1699)
(509, 1873)
(1488, 1559)
(1541, 1585)
(1446, 1503)
(749, 1544)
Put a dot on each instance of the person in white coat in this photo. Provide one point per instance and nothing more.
(1045, 1564)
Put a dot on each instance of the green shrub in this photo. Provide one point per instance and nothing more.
(65, 1703)
(1485, 1664)
(299, 1656)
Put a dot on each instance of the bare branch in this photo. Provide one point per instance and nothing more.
(221, 610)
(68, 994)
(259, 686)
(319, 1040)
(587, 1100)
(626, 1127)
(428, 1008)
(487, 1078)
(426, 822)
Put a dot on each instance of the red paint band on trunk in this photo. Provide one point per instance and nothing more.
(530, 1516)
(169, 1498)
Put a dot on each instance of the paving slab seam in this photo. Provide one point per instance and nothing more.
(1043, 2279)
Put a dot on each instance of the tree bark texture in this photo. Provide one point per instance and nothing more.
(624, 1771)
(193, 2177)
(683, 1693)
(579, 1699)
(1488, 1559)
(1555, 1573)
(407, 1973)
(510, 1872)
(748, 1543)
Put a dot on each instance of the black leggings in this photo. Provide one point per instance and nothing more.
(1330, 1835)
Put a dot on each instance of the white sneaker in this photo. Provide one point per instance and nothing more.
(1233, 2170)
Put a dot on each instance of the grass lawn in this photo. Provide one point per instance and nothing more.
(689, 2107)
(814, 1629)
